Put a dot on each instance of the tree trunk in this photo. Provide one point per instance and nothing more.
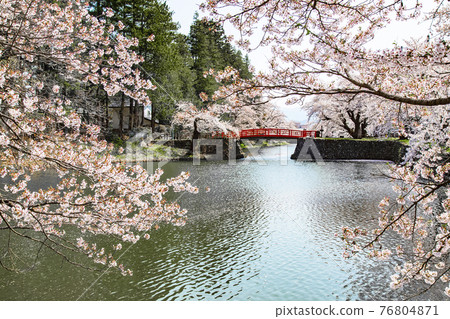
(135, 114)
(358, 131)
(106, 123)
(196, 134)
(359, 124)
(98, 8)
(98, 110)
(142, 115)
(364, 125)
(153, 123)
(131, 115)
(122, 107)
(138, 114)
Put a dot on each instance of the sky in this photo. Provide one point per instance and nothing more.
(184, 10)
(183, 13)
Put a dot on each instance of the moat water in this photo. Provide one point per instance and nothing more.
(265, 231)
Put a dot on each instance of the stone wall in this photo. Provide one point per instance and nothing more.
(184, 144)
(209, 147)
(343, 149)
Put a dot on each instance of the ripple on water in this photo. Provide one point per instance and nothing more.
(263, 232)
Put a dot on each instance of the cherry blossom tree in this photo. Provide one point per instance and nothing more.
(359, 116)
(339, 116)
(207, 120)
(267, 115)
(41, 133)
(229, 120)
(323, 48)
(229, 115)
(313, 39)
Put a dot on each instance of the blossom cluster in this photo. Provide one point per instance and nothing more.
(41, 133)
(323, 48)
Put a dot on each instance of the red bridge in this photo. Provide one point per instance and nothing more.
(268, 133)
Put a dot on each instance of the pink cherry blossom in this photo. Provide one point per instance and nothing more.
(322, 52)
(41, 134)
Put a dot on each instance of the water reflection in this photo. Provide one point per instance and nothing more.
(263, 232)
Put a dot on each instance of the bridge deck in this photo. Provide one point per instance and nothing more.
(269, 133)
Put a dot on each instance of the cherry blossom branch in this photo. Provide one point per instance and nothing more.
(404, 212)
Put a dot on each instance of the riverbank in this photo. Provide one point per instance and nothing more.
(156, 152)
(179, 150)
(306, 149)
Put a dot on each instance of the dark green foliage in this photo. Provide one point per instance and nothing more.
(173, 62)
(167, 61)
(210, 49)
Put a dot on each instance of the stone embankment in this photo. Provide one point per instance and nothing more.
(345, 149)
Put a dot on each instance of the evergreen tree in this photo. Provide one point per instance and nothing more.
(173, 62)
(210, 49)
(167, 59)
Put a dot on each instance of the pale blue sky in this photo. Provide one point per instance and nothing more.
(184, 10)
(183, 13)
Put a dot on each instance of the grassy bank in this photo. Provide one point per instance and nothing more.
(152, 153)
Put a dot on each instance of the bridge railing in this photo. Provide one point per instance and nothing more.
(224, 135)
(274, 132)
(268, 132)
